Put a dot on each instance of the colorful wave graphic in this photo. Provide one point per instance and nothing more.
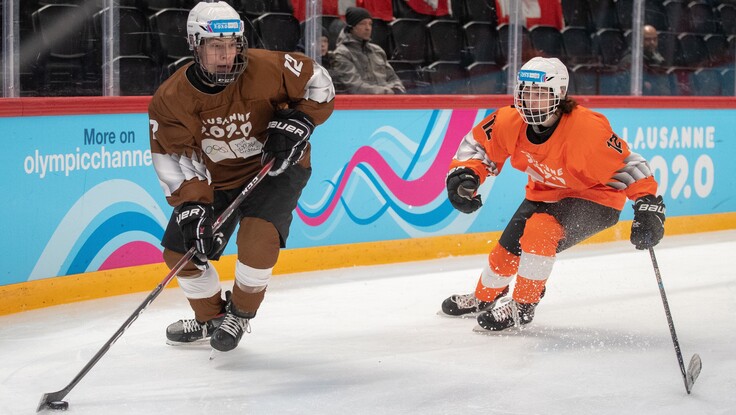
(114, 224)
(412, 192)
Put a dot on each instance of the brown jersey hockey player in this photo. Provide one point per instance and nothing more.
(580, 175)
(212, 123)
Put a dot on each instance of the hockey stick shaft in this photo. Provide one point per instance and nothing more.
(671, 324)
(59, 395)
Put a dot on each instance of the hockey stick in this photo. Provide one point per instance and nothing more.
(53, 400)
(693, 369)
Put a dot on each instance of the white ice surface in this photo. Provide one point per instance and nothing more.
(368, 341)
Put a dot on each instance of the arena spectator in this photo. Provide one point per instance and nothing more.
(360, 66)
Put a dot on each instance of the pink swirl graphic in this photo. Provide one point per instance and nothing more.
(417, 192)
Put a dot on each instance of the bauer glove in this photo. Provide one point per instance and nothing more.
(287, 136)
(195, 221)
(462, 183)
(647, 228)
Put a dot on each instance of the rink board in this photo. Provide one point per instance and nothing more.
(87, 210)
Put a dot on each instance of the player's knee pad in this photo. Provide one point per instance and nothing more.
(203, 286)
(542, 234)
(258, 243)
(248, 276)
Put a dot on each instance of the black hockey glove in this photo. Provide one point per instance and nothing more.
(195, 221)
(648, 226)
(286, 139)
(462, 183)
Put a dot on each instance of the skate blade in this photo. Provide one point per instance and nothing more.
(214, 353)
(192, 343)
(464, 316)
(511, 330)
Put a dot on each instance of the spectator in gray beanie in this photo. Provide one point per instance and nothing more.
(359, 66)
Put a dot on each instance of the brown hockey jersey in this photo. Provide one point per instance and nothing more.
(204, 142)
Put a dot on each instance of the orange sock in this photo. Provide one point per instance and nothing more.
(542, 234)
(502, 265)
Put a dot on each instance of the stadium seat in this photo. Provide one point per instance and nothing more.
(611, 46)
(481, 40)
(576, 13)
(63, 53)
(527, 51)
(669, 47)
(547, 40)
(174, 66)
(447, 78)
(381, 35)
(410, 74)
(139, 75)
(727, 13)
(728, 76)
(678, 19)
(702, 18)
(693, 50)
(707, 82)
(654, 14)
(486, 78)
(614, 81)
(719, 52)
(657, 83)
(475, 11)
(334, 30)
(408, 40)
(277, 31)
(156, 5)
(603, 14)
(169, 32)
(578, 45)
(444, 41)
(278, 6)
(584, 80)
(134, 31)
(403, 11)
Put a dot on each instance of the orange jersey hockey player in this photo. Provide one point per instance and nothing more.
(580, 175)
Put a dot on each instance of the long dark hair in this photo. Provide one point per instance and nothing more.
(566, 105)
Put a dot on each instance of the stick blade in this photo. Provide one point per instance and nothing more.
(47, 398)
(693, 371)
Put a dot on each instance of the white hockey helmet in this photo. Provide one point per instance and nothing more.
(217, 20)
(540, 86)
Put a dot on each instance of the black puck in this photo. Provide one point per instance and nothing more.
(59, 405)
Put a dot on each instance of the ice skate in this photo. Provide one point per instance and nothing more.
(191, 331)
(467, 305)
(505, 314)
(227, 336)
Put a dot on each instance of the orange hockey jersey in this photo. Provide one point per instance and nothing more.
(583, 158)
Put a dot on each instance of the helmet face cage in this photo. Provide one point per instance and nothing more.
(534, 102)
(216, 21)
(541, 86)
